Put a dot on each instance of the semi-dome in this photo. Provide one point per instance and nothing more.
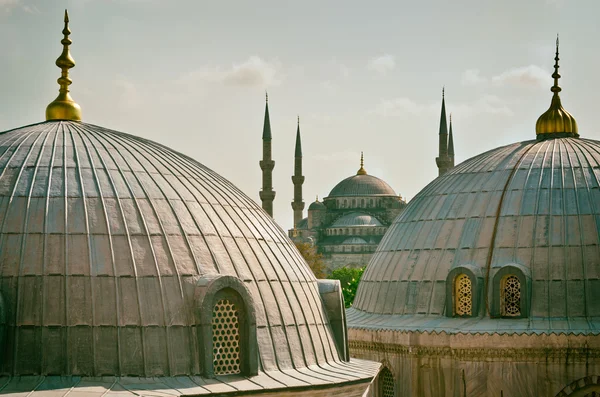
(356, 219)
(354, 240)
(529, 209)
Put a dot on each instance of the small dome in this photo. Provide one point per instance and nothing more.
(356, 219)
(354, 240)
(316, 205)
(362, 185)
(302, 224)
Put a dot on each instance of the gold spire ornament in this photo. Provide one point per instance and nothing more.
(63, 107)
(362, 170)
(556, 122)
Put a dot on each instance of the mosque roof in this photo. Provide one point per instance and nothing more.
(119, 256)
(354, 240)
(316, 205)
(356, 219)
(362, 184)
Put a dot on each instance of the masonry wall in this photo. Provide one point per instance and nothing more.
(433, 365)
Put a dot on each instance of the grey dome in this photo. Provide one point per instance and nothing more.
(354, 240)
(531, 205)
(362, 185)
(316, 205)
(103, 238)
(356, 219)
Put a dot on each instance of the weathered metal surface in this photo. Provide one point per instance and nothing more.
(531, 204)
(102, 238)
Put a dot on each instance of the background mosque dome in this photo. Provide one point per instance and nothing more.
(316, 205)
(356, 219)
(362, 185)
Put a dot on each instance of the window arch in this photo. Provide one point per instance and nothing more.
(510, 296)
(227, 321)
(463, 295)
(387, 386)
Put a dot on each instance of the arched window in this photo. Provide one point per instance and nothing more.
(387, 388)
(345, 203)
(463, 295)
(362, 202)
(353, 203)
(371, 202)
(510, 296)
(226, 338)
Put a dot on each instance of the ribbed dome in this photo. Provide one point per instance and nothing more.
(362, 185)
(356, 219)
(354, 240)
(103, 238)
(533, 205)
(316, 205)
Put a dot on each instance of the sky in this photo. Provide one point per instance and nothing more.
(362, 76)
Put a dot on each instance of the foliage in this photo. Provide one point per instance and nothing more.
(314, 259)
(349, 278)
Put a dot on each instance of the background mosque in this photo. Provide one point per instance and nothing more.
(127, 268)
(348, 224)
(488, 283)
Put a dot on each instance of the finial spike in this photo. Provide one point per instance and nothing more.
(63, 107)
(317, 200)
(361, 170)
(443, 91)
(298, 119)
(266, 97)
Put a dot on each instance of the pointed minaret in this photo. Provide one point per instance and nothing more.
(443, 161)
(451, 144)
(267, 194)
(298, 179)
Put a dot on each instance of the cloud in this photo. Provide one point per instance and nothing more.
(253, 72)
(129, 96)
(487, 104)
(531, 75)
(7, 6)
(472, 77)
(382, 64)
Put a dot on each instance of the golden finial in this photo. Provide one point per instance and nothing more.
(63, 107)
(317, 200)
(361, 170)
(556, 122)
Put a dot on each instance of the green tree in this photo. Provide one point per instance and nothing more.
(349, 278)
(313, 258)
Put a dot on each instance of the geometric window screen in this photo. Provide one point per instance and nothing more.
(387, 383)
(463, 295)
(226, 338)
(510, 298)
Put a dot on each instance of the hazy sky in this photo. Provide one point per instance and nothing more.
(362, 75)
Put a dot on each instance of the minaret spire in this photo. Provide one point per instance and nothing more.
(64, 107)
(298, 178)
(267, 194)
(443, 160)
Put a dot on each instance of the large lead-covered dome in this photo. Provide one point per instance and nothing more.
(531, 209)
(362, 185)
(104, 238)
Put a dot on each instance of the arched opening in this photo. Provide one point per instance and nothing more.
(463, 295)
(226, 321)
(585, 387)
(387, 387)
(510, 296)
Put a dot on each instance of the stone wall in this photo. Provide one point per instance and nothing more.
(435, 365)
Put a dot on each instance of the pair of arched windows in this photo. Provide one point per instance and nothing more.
(508, 292)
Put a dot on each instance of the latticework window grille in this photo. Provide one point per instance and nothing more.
(463, 295)
(226, 338)
(387, 383)
(511, 296)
